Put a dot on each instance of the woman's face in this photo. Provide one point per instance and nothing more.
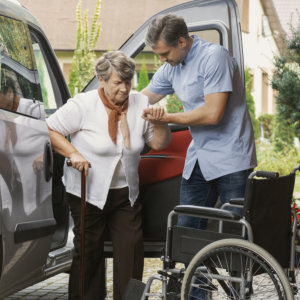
(116, 89)
(7, 100)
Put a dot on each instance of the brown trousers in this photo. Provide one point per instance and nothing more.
(124, 224)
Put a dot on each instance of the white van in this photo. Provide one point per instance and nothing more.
(35, 235)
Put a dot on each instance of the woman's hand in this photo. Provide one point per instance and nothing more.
(38, 164)
(154, 114)
(79, 162)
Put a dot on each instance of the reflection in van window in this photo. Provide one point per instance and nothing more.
(14, 40)
(18, 71)
(45, 82)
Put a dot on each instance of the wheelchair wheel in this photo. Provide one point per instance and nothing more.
(234, 269)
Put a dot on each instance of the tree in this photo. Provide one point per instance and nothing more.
(82, 69)
(286, 81)
(267, 121)
(250, 103)
(143, 80)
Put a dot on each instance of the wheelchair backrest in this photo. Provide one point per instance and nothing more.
(267, 208)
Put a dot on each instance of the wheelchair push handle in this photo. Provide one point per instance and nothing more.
(264, 174)
(295, 169)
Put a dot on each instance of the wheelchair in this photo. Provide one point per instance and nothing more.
(239, 256)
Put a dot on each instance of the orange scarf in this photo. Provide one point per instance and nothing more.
(114, 112)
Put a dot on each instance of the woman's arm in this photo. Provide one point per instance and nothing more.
(161, 133)
(161, 137)
(62, 146)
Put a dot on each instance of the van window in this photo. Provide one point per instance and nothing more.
(19, 90)
(210, 35)
(52, 85)
(45, 82)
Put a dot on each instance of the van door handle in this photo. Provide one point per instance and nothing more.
(48, 161)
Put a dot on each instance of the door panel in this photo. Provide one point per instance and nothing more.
(55, 94)
(157, 166)
(27, 222)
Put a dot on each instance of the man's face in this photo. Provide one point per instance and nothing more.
(174, 55)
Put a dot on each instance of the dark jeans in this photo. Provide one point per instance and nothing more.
(124, 225)
(197, 191)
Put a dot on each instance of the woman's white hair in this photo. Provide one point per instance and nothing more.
(123, 65)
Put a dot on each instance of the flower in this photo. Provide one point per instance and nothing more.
(296, 208)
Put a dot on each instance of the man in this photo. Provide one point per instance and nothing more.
(207, 81)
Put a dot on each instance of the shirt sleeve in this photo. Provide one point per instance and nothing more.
(148, 126)
(148, 134)
(67, 119)
(160, 82)
(219, 70)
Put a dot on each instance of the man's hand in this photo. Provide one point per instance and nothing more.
(154, 114)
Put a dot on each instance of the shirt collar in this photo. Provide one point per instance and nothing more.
(190, 55)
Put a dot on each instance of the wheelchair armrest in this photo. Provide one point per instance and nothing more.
(237, 201)
(206, 212)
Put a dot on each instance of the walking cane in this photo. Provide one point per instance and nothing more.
(82, 233)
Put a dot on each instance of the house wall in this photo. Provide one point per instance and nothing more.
(259, 50)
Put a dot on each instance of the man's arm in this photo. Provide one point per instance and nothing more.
(210, 113)
(153, 98)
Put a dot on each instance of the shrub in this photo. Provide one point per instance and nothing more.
(286, 81)
(143, 80)
(82, 69)
(284, 134)
(269, 159)
(250, 103)
(267, 121)
(173, 104)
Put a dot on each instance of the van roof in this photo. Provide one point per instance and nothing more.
(14, 9)
(15, 1)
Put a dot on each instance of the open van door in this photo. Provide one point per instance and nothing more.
(216, 21)
(33, 216)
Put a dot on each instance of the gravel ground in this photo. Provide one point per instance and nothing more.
(56, 288)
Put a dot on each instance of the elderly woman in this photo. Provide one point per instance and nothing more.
(108, 131)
